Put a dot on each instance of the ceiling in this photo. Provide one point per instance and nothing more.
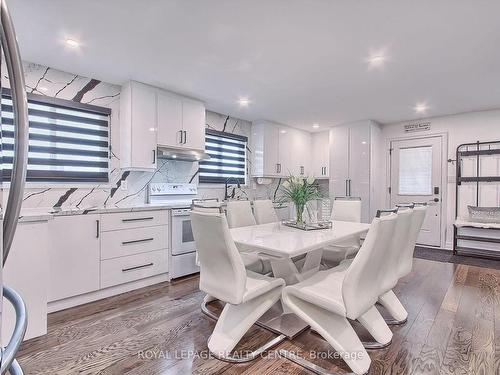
(299, 62)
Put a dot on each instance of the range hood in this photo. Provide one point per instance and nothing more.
(181, 154)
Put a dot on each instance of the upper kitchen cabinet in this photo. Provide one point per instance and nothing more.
(320, 151)
(181, 121)
(151, 117)
(279, 150)
(355, 158)
(138, 126)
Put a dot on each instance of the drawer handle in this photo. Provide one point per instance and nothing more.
(137, 267)
(138, 219)
(137, 241)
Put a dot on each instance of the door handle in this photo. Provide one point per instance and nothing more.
(185, 136)
(436, 200)
(137, 241)
(137, 267)
(180, 137)
(349, 187)
(346, 194)
(154, 157)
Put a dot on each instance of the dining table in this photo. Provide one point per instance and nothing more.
(295, 255)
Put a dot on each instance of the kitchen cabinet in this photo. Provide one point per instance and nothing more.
(320, 154)
(151, 117)
(26, 271)
(279, 150)
(354, 163)
(181, 121)
(138, 126)
(73, 255)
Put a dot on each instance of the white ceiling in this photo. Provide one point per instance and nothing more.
(298, 61)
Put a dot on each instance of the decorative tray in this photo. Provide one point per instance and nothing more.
(308, 226)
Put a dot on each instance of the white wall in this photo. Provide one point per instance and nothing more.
(460, 128)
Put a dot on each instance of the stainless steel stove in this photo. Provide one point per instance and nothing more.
(178, 197)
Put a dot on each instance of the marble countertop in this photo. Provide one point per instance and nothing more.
(44, 214)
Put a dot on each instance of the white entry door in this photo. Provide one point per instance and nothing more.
(416, 177)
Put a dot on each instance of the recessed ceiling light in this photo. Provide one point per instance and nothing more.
(244, 102)
(282, 131)
(421, 108)
(72, 43)
(315, 126)
(377, 59)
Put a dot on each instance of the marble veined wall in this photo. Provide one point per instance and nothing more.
(124, 188)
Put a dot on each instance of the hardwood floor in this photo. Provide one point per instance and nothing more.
(453, 328)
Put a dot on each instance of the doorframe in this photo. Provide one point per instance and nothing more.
(444, 176)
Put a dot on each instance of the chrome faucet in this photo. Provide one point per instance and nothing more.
(228, 180)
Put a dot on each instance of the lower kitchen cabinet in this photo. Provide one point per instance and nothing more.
(74, 257)
(134, 267)
(26, 271)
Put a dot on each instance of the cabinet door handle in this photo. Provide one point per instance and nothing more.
(349, 187)
(137, 267)
(97, 227)
(137, 219)
(301, 170)
(185, 136)
(279, 168)
(346, 194)
(180, 137)
(154, 156)
(137, 241)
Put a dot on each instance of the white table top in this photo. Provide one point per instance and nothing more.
(278, 240)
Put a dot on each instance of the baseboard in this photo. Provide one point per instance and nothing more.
(66, 303)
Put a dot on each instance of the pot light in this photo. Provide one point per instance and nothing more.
(421, 108)
(315, 126)
(244, 102)
(282, 131)
(72, 43)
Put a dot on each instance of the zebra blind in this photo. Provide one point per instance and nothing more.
(228, 158)
(68, 142)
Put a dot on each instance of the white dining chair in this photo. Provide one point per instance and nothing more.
(251, 261)
(223, 276)
(329, 298)
(404, 265)
(343, 209)
(239, 214)
(264, 212)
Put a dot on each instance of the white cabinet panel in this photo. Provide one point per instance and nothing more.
(300, 152)
(118, 243)
(320, 152)
(139, 219)
(339, 161)
(73, 256)
(169, 119)
(285, 163)
(26, 271)
(265, 149)
(134, 267)
(193, 124)
(138, 123)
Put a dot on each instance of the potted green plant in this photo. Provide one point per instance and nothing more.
(299, 190)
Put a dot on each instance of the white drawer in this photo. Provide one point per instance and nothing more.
(118, 243)
(125, 220)
(134, 267)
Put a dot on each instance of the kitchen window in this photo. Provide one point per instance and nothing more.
(228, 158)
(68, 141)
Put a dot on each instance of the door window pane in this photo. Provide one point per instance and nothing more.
(415, 171)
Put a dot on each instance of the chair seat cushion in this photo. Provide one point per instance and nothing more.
(258, 284)
(323, 289)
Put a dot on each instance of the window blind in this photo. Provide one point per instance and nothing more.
(68, 141)
(228, 158)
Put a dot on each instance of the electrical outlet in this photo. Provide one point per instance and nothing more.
(124, 185)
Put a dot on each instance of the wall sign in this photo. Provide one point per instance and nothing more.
(417, 127)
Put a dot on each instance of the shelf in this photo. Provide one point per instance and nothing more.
(478, 239)
(479, 152)
(469, 251)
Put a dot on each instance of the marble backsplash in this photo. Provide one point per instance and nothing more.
(125, 188)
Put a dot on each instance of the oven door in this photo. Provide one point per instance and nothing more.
(182, 234)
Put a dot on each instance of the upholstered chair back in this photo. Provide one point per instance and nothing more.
(222, 272)
(239, 214)
(264, 212)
